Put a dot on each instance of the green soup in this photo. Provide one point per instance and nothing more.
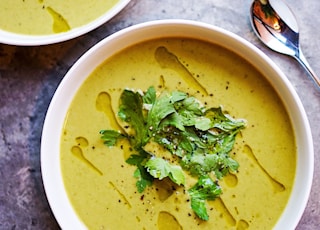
(49, 16)
(100, 184)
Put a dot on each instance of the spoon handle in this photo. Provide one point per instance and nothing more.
(303, 61)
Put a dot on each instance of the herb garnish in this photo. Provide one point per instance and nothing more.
(199, 140)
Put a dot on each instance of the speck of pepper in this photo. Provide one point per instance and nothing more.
(227, 86)
(142, 197)
(93, 147)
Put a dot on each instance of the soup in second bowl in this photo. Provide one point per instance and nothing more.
(44, 17)
(101, 184)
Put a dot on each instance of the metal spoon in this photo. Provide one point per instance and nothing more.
(276, 26)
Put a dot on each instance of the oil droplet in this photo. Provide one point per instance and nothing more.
(231, 180)
(103, 104)
(167, 221)
(59, 23)
(82, 141)
(167, 59)
(225, 213)
(242, 225)
(77, 151)
(277, 186)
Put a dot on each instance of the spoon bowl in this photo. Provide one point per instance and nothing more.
(276, 26)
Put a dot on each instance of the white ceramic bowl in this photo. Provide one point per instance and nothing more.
(34, 40)
(50, 155)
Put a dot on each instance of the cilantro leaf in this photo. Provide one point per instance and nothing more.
(161, 108)
(160, 168)
(204, 189)
(130, 111)
(223, 122)
(150, 96)
(199, 207)
(110, 137)
(143, 179)
(199, 164)
(135, 159)
(174, 140)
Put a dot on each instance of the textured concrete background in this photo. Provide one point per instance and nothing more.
(30, 75)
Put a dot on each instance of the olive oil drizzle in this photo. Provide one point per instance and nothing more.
(224, 211)
(77, 151)
(60, 24)
(103, 104)
(121, 195)
(277, 186)
(166, 59)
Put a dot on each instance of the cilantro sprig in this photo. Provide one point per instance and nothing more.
(200, 138)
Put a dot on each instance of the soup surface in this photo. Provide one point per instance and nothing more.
(40, 17)
(100, 184)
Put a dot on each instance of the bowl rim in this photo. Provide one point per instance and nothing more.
(11, 38)
(173, 28)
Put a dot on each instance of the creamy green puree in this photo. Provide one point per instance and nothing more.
(40, 17)
(99, 182)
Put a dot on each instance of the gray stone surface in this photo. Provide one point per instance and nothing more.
(30, 75)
